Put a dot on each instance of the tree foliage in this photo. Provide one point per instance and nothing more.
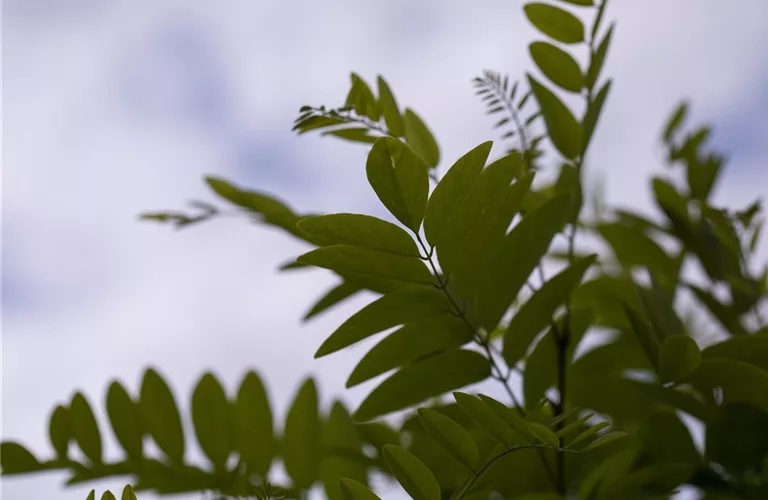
(461, 278)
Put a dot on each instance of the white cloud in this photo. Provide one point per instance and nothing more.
(109, 295)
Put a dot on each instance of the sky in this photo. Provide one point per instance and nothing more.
(111, 108)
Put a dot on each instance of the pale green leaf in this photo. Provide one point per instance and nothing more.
(450, 436)
(411, 473)
(420, 138)
(430, 377)
(555, 22)
(410, 343)
(346, 259)
(557, 65)
(564, 130)
(300, 446)
(393, 309)
(211, 416)
(361, 231)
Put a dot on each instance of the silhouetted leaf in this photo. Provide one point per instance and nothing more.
(362, 231)
(15, 459)
(557, 65)
(211, 415)
(254, 439)
(420, 138)
(160, 415)
(60, 431)
(555, 22)
(411, 473)
(565, 132)
(300, 446)
(396, 308)
(347, 259)
(675, 121)
(126, 420)
(84, 428)
(399, 177)
(427, 378)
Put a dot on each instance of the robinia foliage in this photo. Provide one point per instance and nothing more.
(480, 276)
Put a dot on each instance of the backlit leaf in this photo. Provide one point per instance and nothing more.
(420, 138)
(450, 436)
(347, 259)
(557, 65)
(555, 22)
(393, 309)
(399, 177)
(410, 343)
(411, 473)
(427, 378)
(564, 130)
(300, 446)
(84, 428)
(211, 415)
(362, 231)
(160, 415)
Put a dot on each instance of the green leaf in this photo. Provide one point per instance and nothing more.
(362, 98)
(342, 440)
(736, 437)
(525, 246)
(108, 495)
(510, 416)
(544, 435)
(393, 309)
(564, 130)
(644, 334)
(598, 59)
(456, 182)
(411, 473)
(84, 428)
(555, 22)
(361, 231)
(675, 121)
(160, 415)
(679, 356)
(365, 262)
(486, 418)
(581, 3)
(409, 343)
(450, 436)
(752, 349)
(420, 138)
(557, 65)
(126, 423)
(399, 178)
(593, 430)
(254, 438)
(632, 247)
(574, 427)
(390, 110)
(354, 134)
(301, 441)
(540, 370)
(606, 439)
(91, 495)
(352, 490)
(335, 295)
(674, 207)
(740, 381)
(594, 110)
(538, 311)
(702, 177)
(60, 432)
(15, 459)
(128, 493)
(425, 379)
(724, 314)
(211, 415)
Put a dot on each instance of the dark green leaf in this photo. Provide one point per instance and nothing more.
(598, 59)
(740, 381)
(84, 428)
(335, 295)
(15, 459)
(362, 99)
(555, 22)
(702, 176)
(409, 343)
(510, 416)
(564, 130)
(452, 187)
(347, 259)
(632, 247)
(108, 495)
(354, 134)
(581, 3)
(675, 121)
(341, 438)
(539, 310)
(412, 474)
(315, 122)
(362, 231)
(420, 138)
(396, 308)
(390, 110)
(524, 246)
(301, 441)
(352, 490)
(557, 65)
(594, 110)
(450, 436)
(736, 437)
(211, 416)
(679, 356)
(124, 415)
(543, 434)
(254, 438)
(644, 334)
(128, 493)
(752, 349)
(160, 415)
(724, 314)
(60, 431)
(399, 177)
(486, 418)
(428, 378)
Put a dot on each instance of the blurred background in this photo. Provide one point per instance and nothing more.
(111, 108)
